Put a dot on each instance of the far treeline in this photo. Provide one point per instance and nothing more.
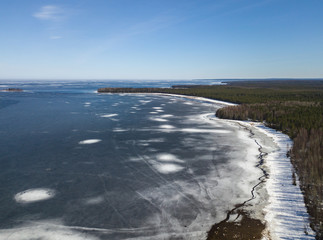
(294, 107)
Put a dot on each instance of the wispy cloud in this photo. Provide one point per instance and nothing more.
(55, 16)
(50, 12)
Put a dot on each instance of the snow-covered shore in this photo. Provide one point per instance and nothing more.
(286, 214)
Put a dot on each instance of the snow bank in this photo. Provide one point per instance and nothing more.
(286, 213)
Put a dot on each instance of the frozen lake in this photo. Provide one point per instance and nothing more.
(80, 165)
(76, 163)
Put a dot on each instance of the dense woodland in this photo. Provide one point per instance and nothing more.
(293, 107)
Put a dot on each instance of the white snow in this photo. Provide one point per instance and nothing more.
(166, 116)
(47, 230)
(109, 115)
(286, 214)
(90, 141)
(167, 157)
(34, 195)
(158, 119)
(168, 168)
(167, 126)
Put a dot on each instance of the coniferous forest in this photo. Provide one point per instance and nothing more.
(294, 107)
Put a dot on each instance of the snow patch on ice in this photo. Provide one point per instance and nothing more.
(90, 141)
(109, 115)
(204, 130)
(120, 130)
(167, 157)
(145, 101)
(166, 126)
(168, 168)
(166, 116)
(158, 119)
(34, 195)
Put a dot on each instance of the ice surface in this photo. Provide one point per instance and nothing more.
(46, 230)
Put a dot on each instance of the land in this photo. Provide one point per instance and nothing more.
(12, 90)
(294, 107)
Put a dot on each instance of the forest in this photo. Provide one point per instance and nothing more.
(294, 107)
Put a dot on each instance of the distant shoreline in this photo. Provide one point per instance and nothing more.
(12, 90)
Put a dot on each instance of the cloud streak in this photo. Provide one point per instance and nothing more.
(50, 13)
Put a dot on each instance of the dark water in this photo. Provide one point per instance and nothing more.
(157, 167)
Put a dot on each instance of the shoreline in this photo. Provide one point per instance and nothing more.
(285, 214)
(283, 209)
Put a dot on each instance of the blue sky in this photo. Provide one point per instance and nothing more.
(160, 39)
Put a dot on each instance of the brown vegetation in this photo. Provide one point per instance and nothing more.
(245, 229)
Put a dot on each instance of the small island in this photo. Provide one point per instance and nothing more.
(13, 90)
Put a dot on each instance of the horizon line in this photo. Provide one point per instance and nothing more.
(147, 79)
